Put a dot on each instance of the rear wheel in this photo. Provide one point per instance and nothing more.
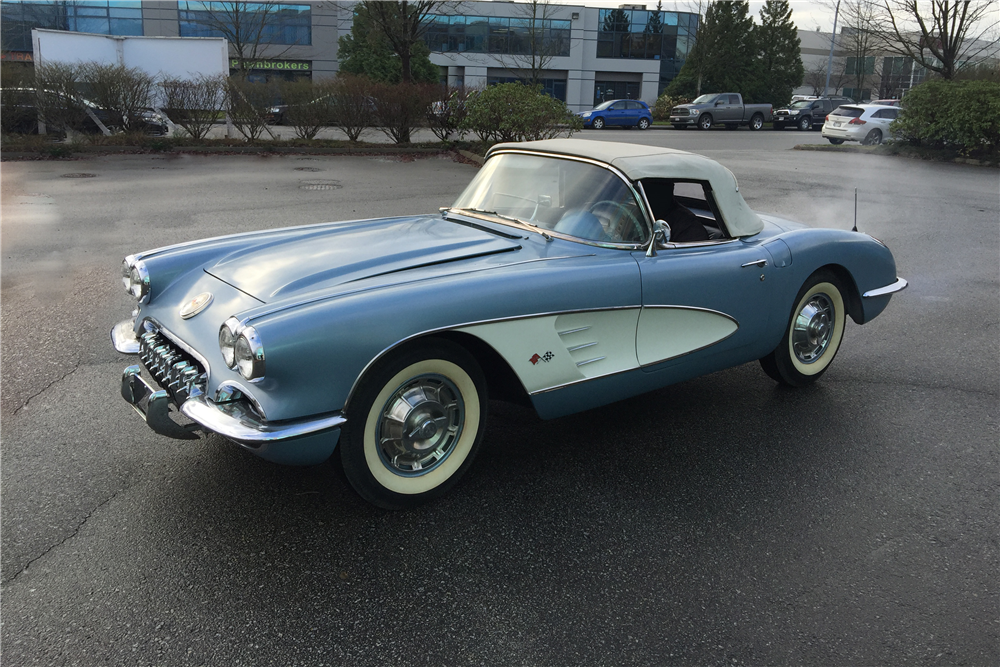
(756, 121)
(705, 122)
(414, 425)
(598, 124)
(873, 138)
(813, 335)
(643, 123)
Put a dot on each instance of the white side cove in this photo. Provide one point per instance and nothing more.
(668, 332)
(550, 351)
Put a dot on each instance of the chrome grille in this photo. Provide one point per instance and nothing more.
(678, 111)
(174, 369)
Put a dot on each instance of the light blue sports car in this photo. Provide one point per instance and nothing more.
(569, 274)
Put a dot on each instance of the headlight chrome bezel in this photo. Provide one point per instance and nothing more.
(135, 278)
(242, 349)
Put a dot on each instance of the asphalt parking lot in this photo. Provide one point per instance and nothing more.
(720, 521)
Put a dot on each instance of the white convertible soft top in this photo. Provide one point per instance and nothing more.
(637, 162)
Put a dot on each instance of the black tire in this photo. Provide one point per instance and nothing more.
(446, 401)
(756, 121)
(813, 335)
(598, 124)
(705, 122)
(805, 124)
(835, 142)
(643, 124)
(873, 138)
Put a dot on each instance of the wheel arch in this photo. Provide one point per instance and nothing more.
(501, 381)
(851, 294)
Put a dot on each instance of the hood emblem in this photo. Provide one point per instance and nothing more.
(196, 305)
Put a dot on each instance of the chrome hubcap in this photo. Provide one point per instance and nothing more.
(813, 328)
(420, 425)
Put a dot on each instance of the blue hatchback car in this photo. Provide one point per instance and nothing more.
(626, 113)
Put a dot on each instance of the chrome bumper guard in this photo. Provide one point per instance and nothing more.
(897, 286)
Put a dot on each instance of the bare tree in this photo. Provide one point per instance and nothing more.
(537, 48)
(941, 35)
(245, 25)
(403, 24)
(815, 77)
(861, 41)
(194, 104)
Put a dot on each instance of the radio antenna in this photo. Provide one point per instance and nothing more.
(855, 228)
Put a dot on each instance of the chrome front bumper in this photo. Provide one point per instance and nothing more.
(235, 419)
(897, 286)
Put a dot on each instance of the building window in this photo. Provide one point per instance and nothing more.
(552, 87)
(649, 35)
(104, 17)
(495, 34)
(616, 90)
(277, 23)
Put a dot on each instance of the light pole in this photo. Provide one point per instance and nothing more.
(833, 39)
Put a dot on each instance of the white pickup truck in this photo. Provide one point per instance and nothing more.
(720, 108)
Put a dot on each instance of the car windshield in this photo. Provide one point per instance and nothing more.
(801, 104)
(604, 105)
(569, 197)
(704, 99)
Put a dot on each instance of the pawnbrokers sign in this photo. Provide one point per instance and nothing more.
(283, 65)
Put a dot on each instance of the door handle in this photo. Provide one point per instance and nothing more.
(760, 262)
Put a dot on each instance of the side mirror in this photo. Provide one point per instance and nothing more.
(661, 236)
(719, 103)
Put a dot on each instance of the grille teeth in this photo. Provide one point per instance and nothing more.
(172, 368)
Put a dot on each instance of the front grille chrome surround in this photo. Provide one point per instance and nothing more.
(174, 369)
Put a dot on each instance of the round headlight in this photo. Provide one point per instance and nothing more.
(249, 352)
(227, 341)
(138, 281)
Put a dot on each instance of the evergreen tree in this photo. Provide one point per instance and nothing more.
(366, 52)
(617, 21)
(779, 69)
(654, 24)
(722, 58)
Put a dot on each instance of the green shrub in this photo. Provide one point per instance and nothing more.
(516, 112)
(964, 115)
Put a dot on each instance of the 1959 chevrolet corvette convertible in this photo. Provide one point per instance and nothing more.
(569, 274)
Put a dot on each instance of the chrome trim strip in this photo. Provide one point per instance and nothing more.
(450, 327)
(589, 361)
(581, 347)
(306, 302)
(570, 331)
(897, 286)
(233, 421)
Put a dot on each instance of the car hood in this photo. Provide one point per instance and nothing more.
(325, 257)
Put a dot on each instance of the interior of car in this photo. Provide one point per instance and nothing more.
(687, 206)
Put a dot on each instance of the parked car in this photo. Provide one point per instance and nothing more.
(888, 103)
(725, 108)
(568, 275)
(622, 113)
(20, 114)
(807, 114)
(867, 123)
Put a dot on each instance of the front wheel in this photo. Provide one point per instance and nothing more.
(598, 124)
(705, 122)
(414, 425)
(756, 121)
(813, 335)
(805, 124)
(835, 142)
(643, 123)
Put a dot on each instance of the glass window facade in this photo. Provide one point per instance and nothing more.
(499, 35)
(616, 90)
(552, 87)
(649, 35)
(105, 17)
(279, 23)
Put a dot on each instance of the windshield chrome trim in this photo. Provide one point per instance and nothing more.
(597, 163)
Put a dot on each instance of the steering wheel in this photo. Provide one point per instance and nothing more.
(624, 216)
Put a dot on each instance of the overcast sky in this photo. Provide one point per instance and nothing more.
(806, 14)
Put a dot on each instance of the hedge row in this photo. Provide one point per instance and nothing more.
(964, 115)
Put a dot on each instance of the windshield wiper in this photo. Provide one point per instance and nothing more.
(533, 227)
